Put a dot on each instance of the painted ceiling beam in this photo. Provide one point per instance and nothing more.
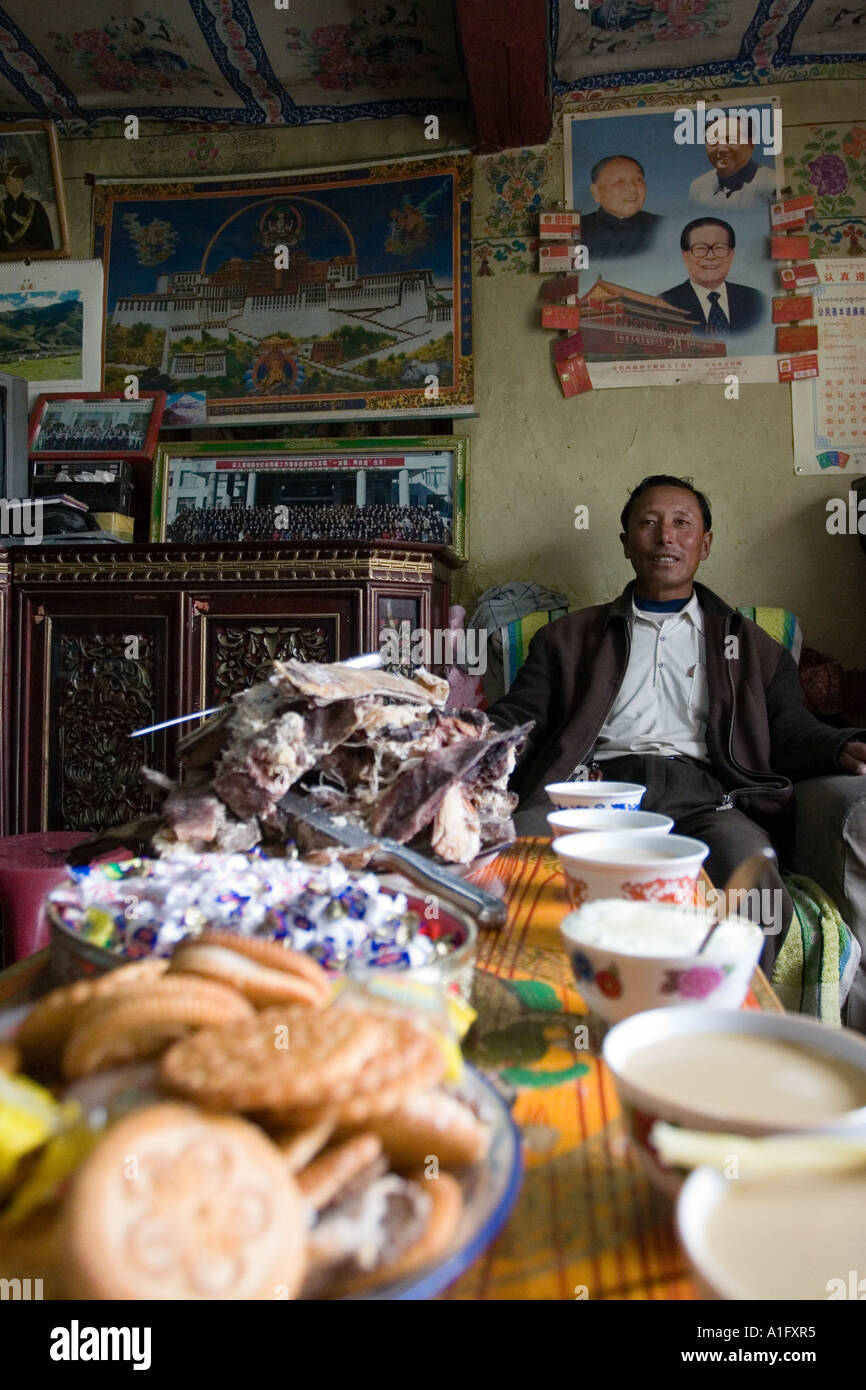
(507, 61)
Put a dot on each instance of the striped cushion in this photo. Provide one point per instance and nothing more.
(780, 623)
(516, 638)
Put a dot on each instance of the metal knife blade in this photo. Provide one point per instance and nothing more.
(489, 910)
(368, 661)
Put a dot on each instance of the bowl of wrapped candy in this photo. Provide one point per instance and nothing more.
(109, 914)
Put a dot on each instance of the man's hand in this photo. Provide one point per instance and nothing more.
(853, 757)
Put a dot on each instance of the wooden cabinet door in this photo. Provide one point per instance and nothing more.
(93, 667)
(232, 637)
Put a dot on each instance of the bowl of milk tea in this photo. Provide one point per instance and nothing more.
(596, 796)
(630, 864)
(793, 1236)
(631, 956)
(734, 1071)
(583, 818)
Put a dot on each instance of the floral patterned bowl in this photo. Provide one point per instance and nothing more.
(599, 796)
(632, 864)
(618, 983)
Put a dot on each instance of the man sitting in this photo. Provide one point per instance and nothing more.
(670, 687)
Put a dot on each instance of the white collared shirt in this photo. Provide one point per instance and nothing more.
(663, 702)
(704, 296)
(709, 190)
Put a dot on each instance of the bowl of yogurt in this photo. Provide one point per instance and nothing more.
(628, 957)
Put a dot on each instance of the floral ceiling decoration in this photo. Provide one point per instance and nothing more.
(624, 42)
(228, 61)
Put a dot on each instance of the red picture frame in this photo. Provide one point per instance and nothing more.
(65, 427)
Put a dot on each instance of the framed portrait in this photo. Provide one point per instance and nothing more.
(675, 220)
(32, 206)
(96, 424)
(328, 295)
(389, 490)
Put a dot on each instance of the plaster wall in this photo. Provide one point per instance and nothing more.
(535, 456)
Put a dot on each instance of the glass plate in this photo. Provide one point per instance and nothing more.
(489, 1193)
(489, 1190)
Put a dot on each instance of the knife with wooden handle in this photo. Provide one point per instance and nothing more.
(433, 878)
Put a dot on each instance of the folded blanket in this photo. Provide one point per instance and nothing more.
(819, 958)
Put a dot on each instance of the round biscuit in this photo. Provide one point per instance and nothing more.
(10, 1058)
(369, 1104)
(142, 1026)
(259, 981)
(176, 1205)
(323, 1179)
(300, 1146)
(406, 1058)
(405, 1046)
(285, 1057)
(429, 1122)
(46, 1028)
(272, 953)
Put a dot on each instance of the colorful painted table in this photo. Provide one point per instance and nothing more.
(587, 1223)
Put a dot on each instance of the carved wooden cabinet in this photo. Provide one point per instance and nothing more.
(105, 640)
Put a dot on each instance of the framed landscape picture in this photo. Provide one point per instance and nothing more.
(32, 206)
(51, 324)
(333, 294)
(389, 490)
(96, 424)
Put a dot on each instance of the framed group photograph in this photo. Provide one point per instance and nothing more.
(329, 295)
(390, 490)
(96, 424)
(32, 206)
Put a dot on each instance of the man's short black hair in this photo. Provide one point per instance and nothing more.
(597, 168)
(666, 480)
(706, 222)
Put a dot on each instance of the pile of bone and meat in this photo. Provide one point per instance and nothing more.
(374, 749)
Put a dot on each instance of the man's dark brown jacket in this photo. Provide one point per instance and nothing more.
(759, 736)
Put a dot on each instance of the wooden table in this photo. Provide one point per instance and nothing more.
(587, 1223)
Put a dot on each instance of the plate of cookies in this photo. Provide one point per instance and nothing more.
(229, 1123)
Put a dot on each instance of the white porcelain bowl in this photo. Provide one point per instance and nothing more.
(596, 796)
(642, 1107)
(754, 1240)
(575, 818)
(633, 864)
(629, 957)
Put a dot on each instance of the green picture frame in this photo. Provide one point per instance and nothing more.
(407, 489)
